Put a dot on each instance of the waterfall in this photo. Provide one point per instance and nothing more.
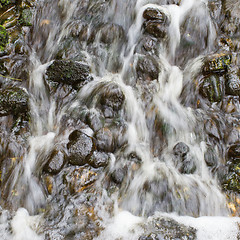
(135, 89)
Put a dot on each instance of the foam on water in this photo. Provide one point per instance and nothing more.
(24, 226)
(212, 228)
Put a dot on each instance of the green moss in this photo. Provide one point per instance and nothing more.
(3, 38)
(6, 2)
(211, 89)
(25, 17)
(13, 101)
(217, 63)
(232, 182)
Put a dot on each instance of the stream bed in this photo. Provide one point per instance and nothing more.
(119, 120)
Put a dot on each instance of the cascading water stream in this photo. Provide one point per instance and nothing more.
(154, 183)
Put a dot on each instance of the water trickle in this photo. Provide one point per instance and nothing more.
(123, 90)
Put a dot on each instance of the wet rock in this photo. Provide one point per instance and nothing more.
(233, 136)
(181, 149)
(3, 38)
(104, 140)
(111, 100)
(233, 83)
(232, 182)
(211, 129)
(210, 157)
(95, 120)
(188, 166)
(147, 68)
(167, 228)
(211, 89)
(217, 63)
(79, 179)
(155, 14)
(49, 182)
(56, 162)
(147, 46)
(99, 159)
(13, 101)
(79, 29)
(26, 17)
(155, 28)
(119, 130)
(149, 43)
(231, 22)
(69, 72)
(230, 104)
(133, 157)
(184, 162)
(118, 175)
(231, 179)
(80, 147)
(215, 8)
(111, 32)
(222, 172)
(4, 3)
(108, 33)
(233, 153)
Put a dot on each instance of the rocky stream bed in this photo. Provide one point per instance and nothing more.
(119, 119)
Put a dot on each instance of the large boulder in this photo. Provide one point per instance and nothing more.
(69, 72)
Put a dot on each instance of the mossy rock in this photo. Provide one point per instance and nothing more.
(26, 17)
(211, 89)
(13, 101)
(3, 38)
(232, 182)
(4, 3)
(217, 63)
(69, 72)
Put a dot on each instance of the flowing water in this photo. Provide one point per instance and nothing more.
(153, 186)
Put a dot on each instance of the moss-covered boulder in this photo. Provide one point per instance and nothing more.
(13, 101)
(217, 63)
(69, 72)
(3, 38)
